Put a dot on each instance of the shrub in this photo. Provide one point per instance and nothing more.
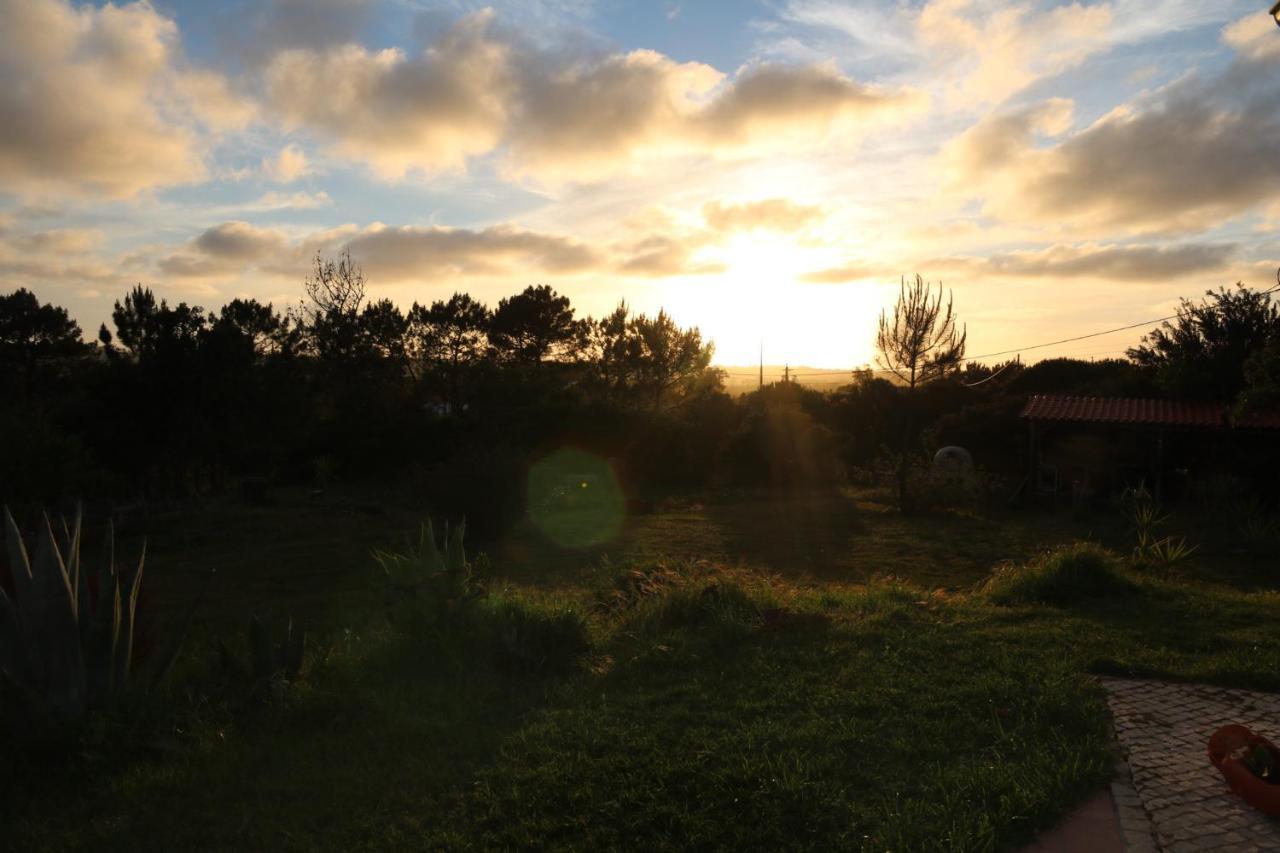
(1067, 575)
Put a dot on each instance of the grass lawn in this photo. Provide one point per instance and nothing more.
(763, 695)
(312, 558)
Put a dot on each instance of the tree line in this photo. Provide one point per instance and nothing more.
(453, 398)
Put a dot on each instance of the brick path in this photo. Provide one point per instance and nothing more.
(1164, 731)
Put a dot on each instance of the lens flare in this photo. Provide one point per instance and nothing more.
(575, 499)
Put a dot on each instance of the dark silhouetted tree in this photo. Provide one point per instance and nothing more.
(335, 286)
(652, 357)
(459, 327)
(1202, 352)
(155, 331)
(263, 331)
(533, 326)
(32, 334)
(383, 328)
(336, 292)
(919, 345)
(422, 343)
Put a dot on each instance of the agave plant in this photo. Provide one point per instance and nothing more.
(272, 666)
(67, 632)
(430, 580)
(1151, 550)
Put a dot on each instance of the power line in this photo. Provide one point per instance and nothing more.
(974, 358)
(989, 378)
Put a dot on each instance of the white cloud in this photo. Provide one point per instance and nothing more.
(95, 101)
(1133, 263)
(1186, 158)
(479, 90)
(287, 166)
(398, 113)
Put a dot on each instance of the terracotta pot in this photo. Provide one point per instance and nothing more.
(1229, 741)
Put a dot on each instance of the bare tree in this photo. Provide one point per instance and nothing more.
(335, 287)
(919, 345)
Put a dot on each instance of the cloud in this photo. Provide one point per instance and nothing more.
(414, 253)
(1135, 263)
(392, 255)
(395, 112)
(776, 103)
(1254, 38)
(978, 53)
(593, 118)
(974, 52)
(479, 89)
(68, 241)
(223, 250)
(59, 255)
(1001, 48)
(287, 166)
(773, 214)
(388, 254)
(1186, 158)
(289, 201)
(95, 101)
(1002, 138)
(839, 275)
(238, 241)
(208, 98)
(276, 24)
(665, 255)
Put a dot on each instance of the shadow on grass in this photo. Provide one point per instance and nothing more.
(367, 759)
(1174, 631)
(876, 723)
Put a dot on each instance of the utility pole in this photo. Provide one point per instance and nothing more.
(761, 387)
(786, 375)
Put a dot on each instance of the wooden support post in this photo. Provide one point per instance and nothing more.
(1159, 462)
(1033, 456)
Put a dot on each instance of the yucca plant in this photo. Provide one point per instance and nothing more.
(67, 632)
(427, 580)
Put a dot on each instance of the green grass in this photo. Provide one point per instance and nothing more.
(1067, 575)
(760, 699)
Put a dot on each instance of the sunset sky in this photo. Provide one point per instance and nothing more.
(764, 169)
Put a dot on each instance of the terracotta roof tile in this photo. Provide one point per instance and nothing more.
(1128, 410)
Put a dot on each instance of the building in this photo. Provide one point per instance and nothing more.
(1087, 447)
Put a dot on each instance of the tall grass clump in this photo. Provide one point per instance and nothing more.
(718, 605)
(434, 594)
(526, 637)
(1068, 575)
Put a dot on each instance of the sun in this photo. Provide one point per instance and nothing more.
(753, 292)
(762, 266)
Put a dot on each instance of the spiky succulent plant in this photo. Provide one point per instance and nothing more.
(272, 667)
(426, 580)
(67, 631)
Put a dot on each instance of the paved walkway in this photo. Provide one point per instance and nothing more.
(1164, 730)
(1093, 827)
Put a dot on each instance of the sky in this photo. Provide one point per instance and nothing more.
(766, 170)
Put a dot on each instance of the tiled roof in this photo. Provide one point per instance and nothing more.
(1127, 410)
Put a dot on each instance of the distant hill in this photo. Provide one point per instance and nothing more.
(743, 379)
